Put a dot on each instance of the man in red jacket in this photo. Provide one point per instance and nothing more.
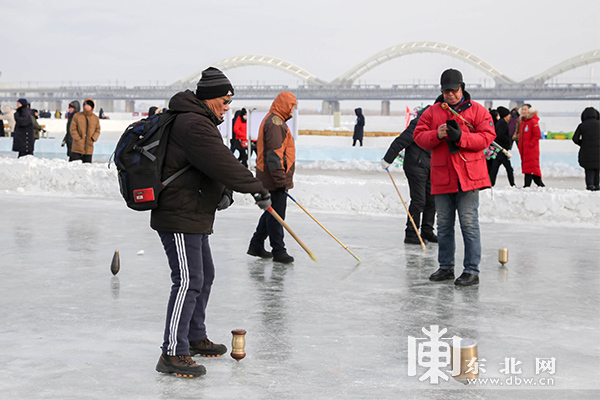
(456, 130)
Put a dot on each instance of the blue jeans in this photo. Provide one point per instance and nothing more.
(467, 205)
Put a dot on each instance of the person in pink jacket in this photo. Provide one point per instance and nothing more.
(456, 130)
(529, 145)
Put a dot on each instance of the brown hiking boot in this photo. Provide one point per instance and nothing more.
(206, 348)
(182, 366)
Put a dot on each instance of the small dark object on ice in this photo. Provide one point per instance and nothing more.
(115, 265)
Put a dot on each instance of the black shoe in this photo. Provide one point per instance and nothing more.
(431, 237)
(206, 348)
(466, 279)
(182, 366)
(414, 240)
(442, 275)
(284, 258)
(262, 253)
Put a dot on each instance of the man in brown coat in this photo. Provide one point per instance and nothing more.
(85, 130)
(275, 163)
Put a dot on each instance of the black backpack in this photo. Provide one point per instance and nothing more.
(139, 157)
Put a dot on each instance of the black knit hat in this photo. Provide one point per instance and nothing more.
(451, 79)
(89, 103)
(213, 84)
(503, 111)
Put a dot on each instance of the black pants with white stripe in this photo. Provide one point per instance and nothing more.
(192, 274)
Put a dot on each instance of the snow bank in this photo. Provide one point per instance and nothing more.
(331, 187)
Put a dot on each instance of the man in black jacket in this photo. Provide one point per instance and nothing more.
(504, 139)
(417, 169)
(185, 215)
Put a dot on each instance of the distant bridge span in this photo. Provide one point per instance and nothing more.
(389, 54)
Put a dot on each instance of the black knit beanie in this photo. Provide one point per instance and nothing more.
(213, 84)
(89, 103)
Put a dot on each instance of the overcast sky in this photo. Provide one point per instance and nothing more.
(140, 42)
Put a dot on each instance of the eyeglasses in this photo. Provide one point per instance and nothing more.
(226, 101)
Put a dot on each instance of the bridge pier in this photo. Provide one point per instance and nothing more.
(329, 107)
(515, 103)
(129, 106)
(385, 108)
(488, 104)
(106, 105)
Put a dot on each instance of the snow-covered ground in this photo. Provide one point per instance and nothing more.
(337, 187)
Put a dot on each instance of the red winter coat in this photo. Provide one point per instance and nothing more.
(240, 129)
(468, 165)
(529, 144)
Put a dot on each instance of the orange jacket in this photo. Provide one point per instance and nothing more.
(276, 152)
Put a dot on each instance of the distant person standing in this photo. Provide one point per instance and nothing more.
(1, 124)
(23, 136)
(458, 172)
(359, 127)
(37, 128)
(587, 137)
(74, 108)
(241, 137)
(417, 169)
(504, 139)
(8, 115)
(85, 130)
(275, 164)
(529, 145)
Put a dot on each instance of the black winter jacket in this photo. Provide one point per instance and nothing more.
(415, 158)
(587, 136)
(359, 126)
(188, 204)
(503, 137)
(23, 139)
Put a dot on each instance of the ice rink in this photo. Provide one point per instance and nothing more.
(334, 329)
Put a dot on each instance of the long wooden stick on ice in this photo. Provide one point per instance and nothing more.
(325, 229)
(409, 216)
(287, 228)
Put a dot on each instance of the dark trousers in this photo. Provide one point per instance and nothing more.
(269, 227)
(535, 178)
(592, 178)
(243, 157)
(501, 159)
(357, 140)
(192, 274)
(421, 202)
(86, 158)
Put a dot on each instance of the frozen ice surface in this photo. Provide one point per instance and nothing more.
(333, 329)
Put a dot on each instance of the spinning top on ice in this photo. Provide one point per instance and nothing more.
(463, 359)
(503, 255)
(115, 265)
(238, 343)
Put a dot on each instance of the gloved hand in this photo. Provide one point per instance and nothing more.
(263, 199)
(225, 202)
(453, 130)
(385, 164)
(63, 144)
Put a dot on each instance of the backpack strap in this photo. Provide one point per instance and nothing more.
(175, 175)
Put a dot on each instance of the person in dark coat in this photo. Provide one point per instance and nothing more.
(417, 168)
(359, 127)
(74, 108)
(185, 216)
(504, 139)
(587, 137)
(1, 125)
(23, 139)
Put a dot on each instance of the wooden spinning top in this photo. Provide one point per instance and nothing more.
(238, 343)
(503, 255)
